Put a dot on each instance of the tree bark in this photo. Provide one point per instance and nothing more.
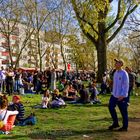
(101, 57)
(101, 48)
(10, 51)
(63, 57)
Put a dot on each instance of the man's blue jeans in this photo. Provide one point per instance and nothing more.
(123, 109)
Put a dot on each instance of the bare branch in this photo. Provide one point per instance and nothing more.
(116, 19)
(129, 11)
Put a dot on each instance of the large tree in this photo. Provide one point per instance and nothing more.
(100, 26)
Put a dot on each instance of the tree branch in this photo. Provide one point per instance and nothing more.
(122, 23)
(116, 19)
(81, 25)
(91, 25)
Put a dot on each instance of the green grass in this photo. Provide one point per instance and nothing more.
(70, 123)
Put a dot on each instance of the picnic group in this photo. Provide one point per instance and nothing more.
(57, 88)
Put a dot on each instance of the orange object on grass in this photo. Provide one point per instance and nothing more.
(10, 122)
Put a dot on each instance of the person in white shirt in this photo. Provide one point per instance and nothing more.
(119, 96)
(2, 80)
(45, 99)
(8, 117)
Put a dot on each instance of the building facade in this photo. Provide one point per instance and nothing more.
(50, 52)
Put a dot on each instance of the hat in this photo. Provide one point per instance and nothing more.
(17, 97)
(119, 61)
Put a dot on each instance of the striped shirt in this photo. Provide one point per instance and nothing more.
(20, 108)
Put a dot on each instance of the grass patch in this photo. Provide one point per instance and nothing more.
(73, 122)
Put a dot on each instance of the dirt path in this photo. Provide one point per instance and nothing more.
(133, 131)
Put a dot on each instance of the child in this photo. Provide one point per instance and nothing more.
(8, 117)
(94, 92)
(57, 101)
(45, 99)
(20, 120)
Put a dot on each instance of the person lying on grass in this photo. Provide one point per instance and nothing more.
(20, 119)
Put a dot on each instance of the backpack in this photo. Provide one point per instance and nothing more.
(1, 120)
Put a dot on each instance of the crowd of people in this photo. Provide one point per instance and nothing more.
(59, 87)
(18, 81)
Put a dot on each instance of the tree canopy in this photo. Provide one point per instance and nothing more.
(93, 16)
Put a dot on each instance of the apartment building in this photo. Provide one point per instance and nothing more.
(50, 50)
(5, 42)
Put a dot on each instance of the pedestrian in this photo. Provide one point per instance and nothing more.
(2, 79)
(131, 83)
(119, 96)
(9, 81)
(53, 80)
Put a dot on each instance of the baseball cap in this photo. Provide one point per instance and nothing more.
(119, 61)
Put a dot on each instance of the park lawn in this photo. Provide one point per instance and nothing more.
(70, 123)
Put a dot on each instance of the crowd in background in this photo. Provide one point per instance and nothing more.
(56, 87)
(70, 84)
(12, 80)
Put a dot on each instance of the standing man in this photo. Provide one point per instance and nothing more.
(119, 96)
(131, 83)
(2, 79)
(53, 80)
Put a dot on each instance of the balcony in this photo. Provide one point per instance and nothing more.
(5, 61)
(5, 53)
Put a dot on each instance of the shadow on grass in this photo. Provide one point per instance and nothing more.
(90, 105)
(134, 119)
(9, 136)
(65, 133)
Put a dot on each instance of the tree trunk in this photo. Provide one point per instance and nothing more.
(101, 47)
(10, 51)
(39, 51)
(101, 56)
(63, 57)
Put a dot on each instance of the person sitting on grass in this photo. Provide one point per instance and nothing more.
(94, 92)
(84, 96)
(57, 100)
(69, 93)
(45, 99)
(7, 117)
(20, 119)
